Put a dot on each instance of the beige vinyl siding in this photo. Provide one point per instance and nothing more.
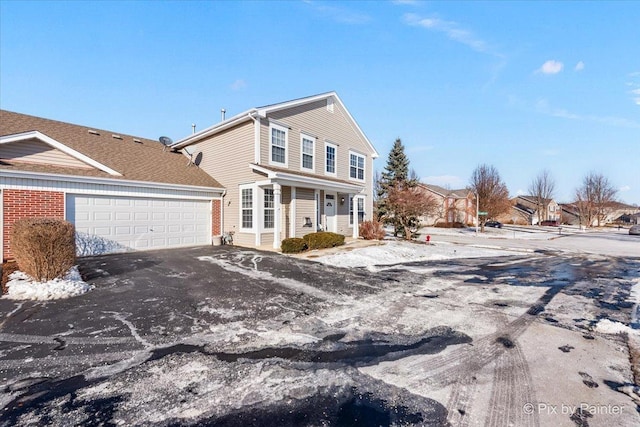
(343, 215)
(305, 206)
(226, 157)
(313, 119)
(286, 213)
(34, 151)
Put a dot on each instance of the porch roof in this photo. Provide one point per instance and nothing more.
(300, 179)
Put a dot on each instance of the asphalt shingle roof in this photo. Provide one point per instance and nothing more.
(146, 160)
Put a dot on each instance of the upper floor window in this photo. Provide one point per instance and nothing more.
(330, 158)
(307, 152)
(278, 144)
(356, 166)
(246, 207)
(269, 208)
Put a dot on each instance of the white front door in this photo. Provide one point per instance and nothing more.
(330, 213)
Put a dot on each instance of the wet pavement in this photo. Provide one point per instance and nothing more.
(231, 336)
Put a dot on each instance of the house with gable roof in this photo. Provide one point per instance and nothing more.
(121, 192)
(453, 205)
(269, 173)
(289, 169)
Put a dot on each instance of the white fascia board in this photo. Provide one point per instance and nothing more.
(306, 181)
(218, 127)
(59, 146)
(104, 181)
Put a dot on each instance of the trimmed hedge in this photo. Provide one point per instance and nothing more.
(293, 245)
(372, 230)
(323, 239)
(450, 225)
(44, 248)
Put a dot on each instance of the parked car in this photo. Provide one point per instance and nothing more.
(494, 224)
(635, 230)
(550, 223)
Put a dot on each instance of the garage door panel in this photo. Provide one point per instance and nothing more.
(125, 223)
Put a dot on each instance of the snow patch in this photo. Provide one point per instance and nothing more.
(606, 326)
(390, 253)
(21, 286)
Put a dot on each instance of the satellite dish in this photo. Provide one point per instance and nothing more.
(166, 141)
(198, 158)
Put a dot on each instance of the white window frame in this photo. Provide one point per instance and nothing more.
(364, 166)
(328, 144)
(242, 208)
(265, 209)
(306, 137)
(360, 200)
(285, 130)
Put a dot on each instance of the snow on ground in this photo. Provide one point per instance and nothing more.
(21, 286)
(396, 252)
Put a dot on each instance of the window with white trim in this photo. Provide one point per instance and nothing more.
(246, 208)
(330, 158)
(356, 166)
(269, 208)
(360, 210)
(307, 150)
(278, 146)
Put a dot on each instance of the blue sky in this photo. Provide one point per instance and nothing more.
(523, 86)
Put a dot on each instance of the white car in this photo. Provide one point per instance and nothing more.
(635, 230)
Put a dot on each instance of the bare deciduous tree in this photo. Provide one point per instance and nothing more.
(492, 193)
(541, 190)
(594, 198)
(408, 202)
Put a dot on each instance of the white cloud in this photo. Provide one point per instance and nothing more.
(446, 181)
(551, 67)
(238, 84)
(339, 14)
(579, 66)
(542, 106)
(451, 29)
(624, 188)
(521, 192)
(636, 96)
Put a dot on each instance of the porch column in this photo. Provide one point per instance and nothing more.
(354, 215)
(277, 221)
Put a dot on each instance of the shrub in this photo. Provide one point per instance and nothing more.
(372, 230)
(7, 268)
(293, 245)
(323, 239)
(44, 248)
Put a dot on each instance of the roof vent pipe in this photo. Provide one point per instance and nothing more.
(193, 128)
(222, 112)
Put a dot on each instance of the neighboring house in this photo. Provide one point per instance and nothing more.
(453, 205)
(289, 169)
(120, 191)
(525, 207)
(614, 213)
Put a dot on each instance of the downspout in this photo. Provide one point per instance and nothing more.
(224, 193)
(256, 137)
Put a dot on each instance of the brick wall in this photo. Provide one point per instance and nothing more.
(217, 218)
(19, 204)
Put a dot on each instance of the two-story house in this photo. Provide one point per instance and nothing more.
(527, 208)
(288, 169)
(453, 205)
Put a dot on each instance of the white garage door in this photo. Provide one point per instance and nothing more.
(114, 224)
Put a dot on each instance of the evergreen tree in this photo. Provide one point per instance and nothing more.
(395, 173)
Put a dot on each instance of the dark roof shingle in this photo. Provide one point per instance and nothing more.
(141, 160)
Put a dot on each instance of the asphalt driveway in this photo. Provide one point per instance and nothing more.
(150, 299)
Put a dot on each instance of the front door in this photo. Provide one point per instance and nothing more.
(330, 212)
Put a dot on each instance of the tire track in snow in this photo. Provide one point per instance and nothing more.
(266, 276)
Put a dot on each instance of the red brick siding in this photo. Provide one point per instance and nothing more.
(18, 204)
(217, 218)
